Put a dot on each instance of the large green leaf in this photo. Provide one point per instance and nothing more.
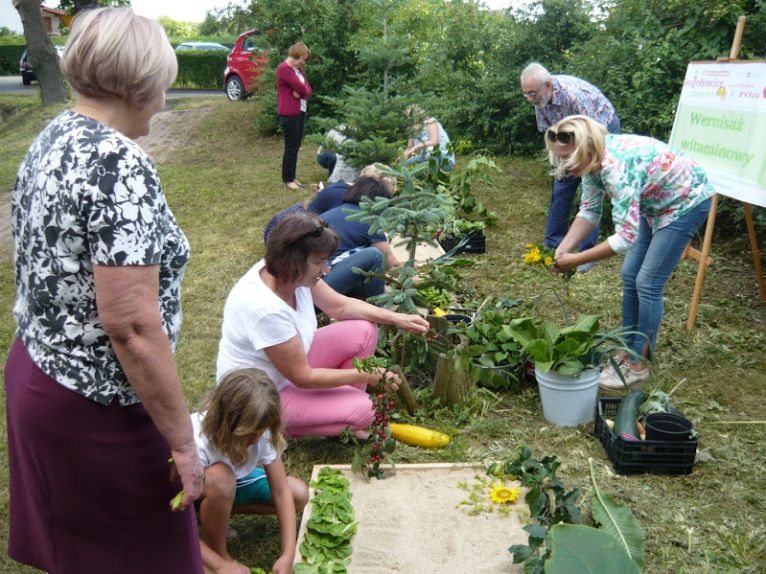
(570, 368)
(583, 324)
(540, 350)
(617, 519)
(585, 550)
(523, 331)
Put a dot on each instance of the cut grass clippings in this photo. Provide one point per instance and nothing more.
(223, 184)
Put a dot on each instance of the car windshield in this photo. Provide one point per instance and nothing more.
(201, 46)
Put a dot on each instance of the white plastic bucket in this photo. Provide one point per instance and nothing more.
(568, 401)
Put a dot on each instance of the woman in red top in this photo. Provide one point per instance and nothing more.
(293, 89)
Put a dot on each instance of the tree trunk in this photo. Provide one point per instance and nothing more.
(405, 394)
(451, 385)
(41, 54)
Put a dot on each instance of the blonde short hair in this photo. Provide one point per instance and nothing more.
(299, 49)
(373, 170)
(588, 146)
(113, 52)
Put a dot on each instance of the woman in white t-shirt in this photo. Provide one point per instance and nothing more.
(239, 441)
(269, 323)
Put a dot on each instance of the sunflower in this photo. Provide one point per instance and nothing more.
(501, 494)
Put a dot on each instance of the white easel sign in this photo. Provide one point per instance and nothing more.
(721, 123)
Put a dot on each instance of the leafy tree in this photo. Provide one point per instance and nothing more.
(640, 57)
(373, 116)
(175, 28)
(75, 6)
(6, 32)
(42, 56)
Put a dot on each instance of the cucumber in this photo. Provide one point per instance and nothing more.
(418, 436)
(627, 413)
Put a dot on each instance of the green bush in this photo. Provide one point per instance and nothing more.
(10, 54)
(200, 69)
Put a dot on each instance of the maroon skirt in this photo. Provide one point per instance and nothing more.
(89, 484)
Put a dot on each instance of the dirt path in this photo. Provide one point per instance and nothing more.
(169, 130)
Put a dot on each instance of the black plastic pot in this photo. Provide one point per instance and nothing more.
(476, 243)
(456, 318)
(664, 426)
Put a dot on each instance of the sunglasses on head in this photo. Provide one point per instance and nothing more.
(564, 138)
(318, 231)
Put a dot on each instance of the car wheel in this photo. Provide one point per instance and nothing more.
(26, 80)
(235, 90)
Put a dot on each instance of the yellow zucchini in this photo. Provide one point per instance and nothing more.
(418, 436)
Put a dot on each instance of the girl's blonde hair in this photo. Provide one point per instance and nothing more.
(588, 146)
(113, 52)
(243, 403)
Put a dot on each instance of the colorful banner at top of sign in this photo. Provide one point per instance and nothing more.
(721, 123)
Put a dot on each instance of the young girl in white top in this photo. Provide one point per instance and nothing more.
(239, 440)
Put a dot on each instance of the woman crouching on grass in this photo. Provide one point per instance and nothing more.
(659, 199)
(239, 440)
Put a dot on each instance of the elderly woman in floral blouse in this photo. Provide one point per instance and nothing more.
(659, 200)
(94, 400)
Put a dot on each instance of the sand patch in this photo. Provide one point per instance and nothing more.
(410, 523)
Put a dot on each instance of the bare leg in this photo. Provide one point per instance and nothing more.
(215, 509)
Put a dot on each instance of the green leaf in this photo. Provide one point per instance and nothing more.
(586, 550)
(570, 368)
(520, 552)
(618, 520)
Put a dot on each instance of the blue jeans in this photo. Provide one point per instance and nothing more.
(560, 210)
(343, 279)
(328, 159)
(443, 162)
(646, 269)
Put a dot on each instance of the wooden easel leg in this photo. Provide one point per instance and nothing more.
(702, 266)
(755, 249)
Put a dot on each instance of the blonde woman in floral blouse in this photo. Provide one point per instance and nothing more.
(659, 199)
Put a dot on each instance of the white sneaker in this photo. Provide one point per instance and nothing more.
(610, 380)
(585, 267)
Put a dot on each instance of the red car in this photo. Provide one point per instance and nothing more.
(243, 66)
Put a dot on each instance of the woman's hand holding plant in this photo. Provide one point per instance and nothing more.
(412, 323)
(187, 466)
(391, 380)
(563, 262)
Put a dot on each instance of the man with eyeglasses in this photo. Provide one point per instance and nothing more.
(555, 98)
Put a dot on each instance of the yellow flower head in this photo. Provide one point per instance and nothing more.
(530, 245)
(439, 312)
(501, 494)
(548, 261)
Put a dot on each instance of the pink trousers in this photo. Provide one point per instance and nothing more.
(326, 412)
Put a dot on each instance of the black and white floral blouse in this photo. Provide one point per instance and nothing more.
(85, 194)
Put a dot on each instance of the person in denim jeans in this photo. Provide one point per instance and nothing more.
(358, 247)
(555, 98)
(659, 199)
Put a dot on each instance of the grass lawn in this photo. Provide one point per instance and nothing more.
(223, 183)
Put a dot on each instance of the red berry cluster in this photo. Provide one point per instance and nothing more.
(380, 442)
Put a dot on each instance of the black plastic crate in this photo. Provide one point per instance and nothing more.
(650, 456)
(476, 243)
